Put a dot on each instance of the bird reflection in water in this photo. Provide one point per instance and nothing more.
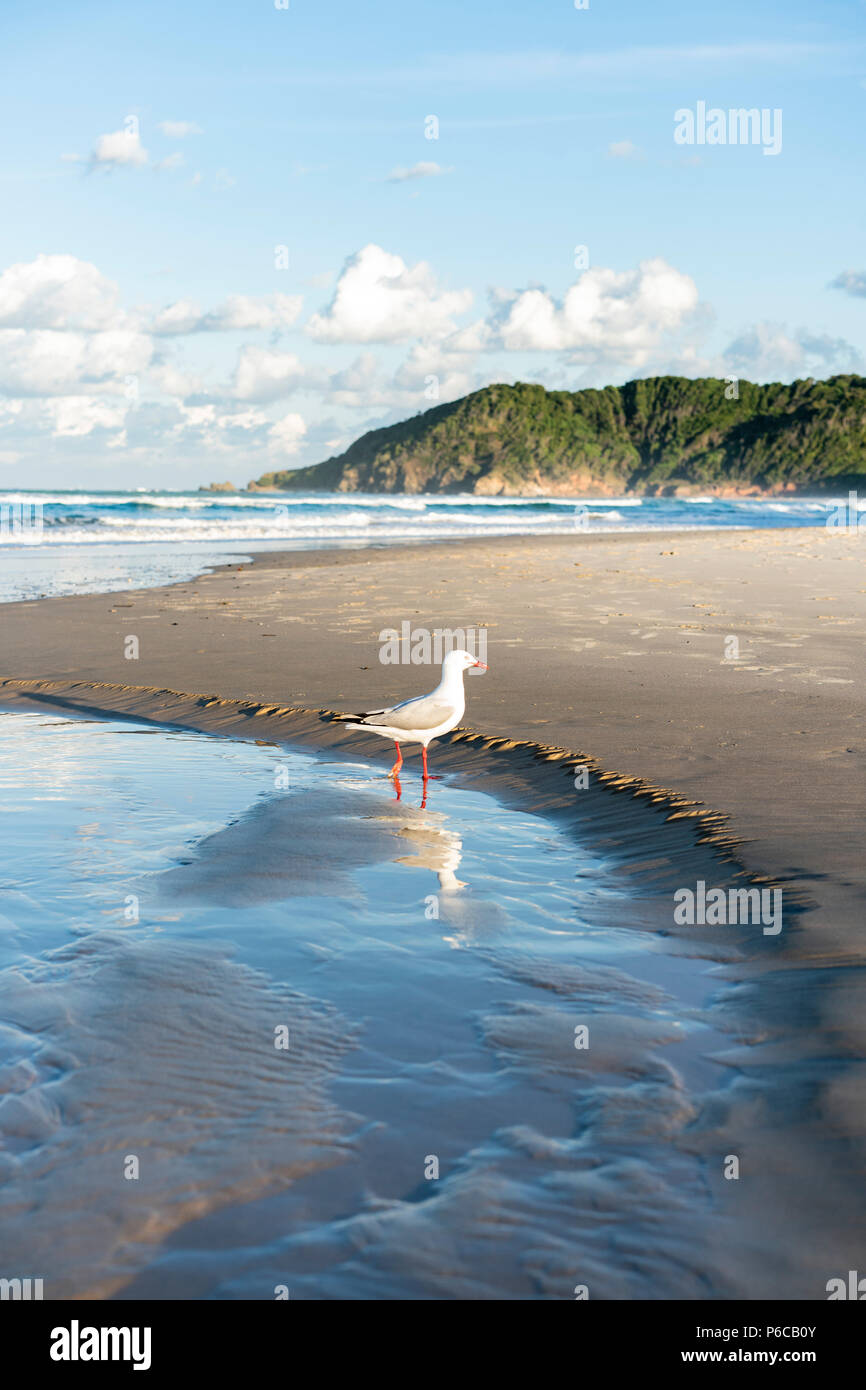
(434, 848)
(398, 788)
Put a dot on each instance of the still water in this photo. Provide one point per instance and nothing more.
(269, 1031)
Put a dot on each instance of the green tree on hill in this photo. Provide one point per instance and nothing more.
(658, 434)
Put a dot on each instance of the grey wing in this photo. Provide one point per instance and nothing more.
(423, 713)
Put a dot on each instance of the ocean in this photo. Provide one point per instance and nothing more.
(57, 542)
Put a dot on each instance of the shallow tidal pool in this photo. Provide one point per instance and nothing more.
(269, 1031)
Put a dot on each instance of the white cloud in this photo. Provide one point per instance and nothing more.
(637, 64)
(380, 299)
(772, 352)
(286, 435)
(49, 363)
(475, 337)
(68, 350)
(426, 169)
(62, 332)
(273, 311)
(852, 282)
(240, 312)
(261, 375)
(361, 385)
(199, 416)
(178, 130)
(171, 161)
(761, 352)
(10, 410)
(623, 149)
(211, 427)
(74, 416)
(607, 313)
(119, 148)
(430, 376)
(57, 292)
(243, 421)
(171, 381)
(183, 316)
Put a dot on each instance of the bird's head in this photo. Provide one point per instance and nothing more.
(461, 661)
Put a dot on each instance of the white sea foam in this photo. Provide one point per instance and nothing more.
(148, 527)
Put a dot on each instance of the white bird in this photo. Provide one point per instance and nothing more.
(426, 717)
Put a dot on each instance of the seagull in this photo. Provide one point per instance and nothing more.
(427, 716)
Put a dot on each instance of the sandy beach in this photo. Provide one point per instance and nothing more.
(712, 686)
(613, 647)
(432, 728)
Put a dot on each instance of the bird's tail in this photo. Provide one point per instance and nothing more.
(364, 721)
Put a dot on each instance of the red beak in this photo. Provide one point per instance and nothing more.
(482, 664)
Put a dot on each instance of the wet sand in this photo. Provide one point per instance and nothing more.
(265, 903)
(614, 647)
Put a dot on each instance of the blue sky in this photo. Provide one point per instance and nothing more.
(155, 157)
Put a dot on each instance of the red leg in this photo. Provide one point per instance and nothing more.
(399, 763)
(424, 761)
